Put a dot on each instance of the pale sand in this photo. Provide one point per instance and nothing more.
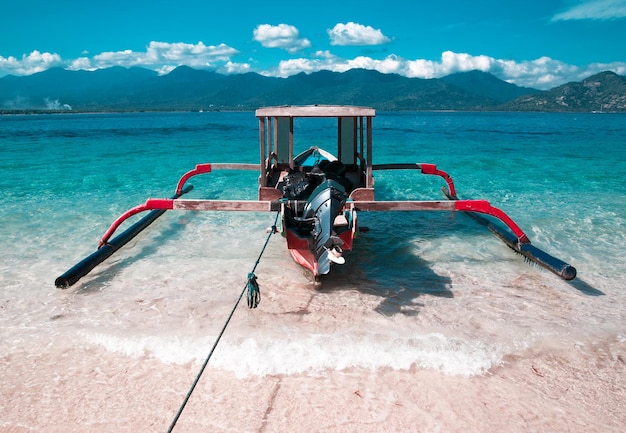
(87, 389)
(569, 375)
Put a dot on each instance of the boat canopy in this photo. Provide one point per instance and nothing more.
(276, 126)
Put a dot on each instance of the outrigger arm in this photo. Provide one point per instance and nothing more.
(109, 246)
(515, 239)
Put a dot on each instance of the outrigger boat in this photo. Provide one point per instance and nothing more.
(318, 195)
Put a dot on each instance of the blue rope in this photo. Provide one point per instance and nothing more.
(254, 296)
(254, 293)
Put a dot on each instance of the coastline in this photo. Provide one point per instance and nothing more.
(539, 390)
(252, 109)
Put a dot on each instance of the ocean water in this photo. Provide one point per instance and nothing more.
(427, 301)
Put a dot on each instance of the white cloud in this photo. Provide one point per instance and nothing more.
(328, 62)
(81, 63)
(461, 62)
(290, 67)
(234, 68)
(594, 10)
(542, 73)
(422, 68)
(30, 64)
(162, 56)
(116, 58)
(159, 56)
(281, 36)
(356, 34)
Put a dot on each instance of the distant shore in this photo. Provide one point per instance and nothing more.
(250, 109)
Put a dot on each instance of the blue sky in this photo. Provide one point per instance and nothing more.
(535, 43)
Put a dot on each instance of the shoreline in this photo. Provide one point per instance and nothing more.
(92, 390)
(252, 109)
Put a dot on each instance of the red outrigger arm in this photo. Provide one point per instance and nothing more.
(108, 246)
(200, 169)
(199, 205)
(180, 188)
(425, 168)
(207, 168)
(432, 169)
(164, 204)
(479, 206)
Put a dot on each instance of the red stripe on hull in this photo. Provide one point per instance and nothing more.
(301, 253)
(305, 259)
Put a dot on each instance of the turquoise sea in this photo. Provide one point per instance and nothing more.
(429, 301)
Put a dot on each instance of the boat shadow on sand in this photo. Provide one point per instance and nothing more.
(388, 266)
(391, 271)
(136, 250)
(400, 278)
(585, 288)
(381, 265)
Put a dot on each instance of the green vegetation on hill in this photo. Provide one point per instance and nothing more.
(605, 92)
(187, 89)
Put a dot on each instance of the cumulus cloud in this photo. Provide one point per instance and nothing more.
(30, 63)
(235, 68)
(542, 73)
(594, 10)
(81, 63)
(281, 36)
(356, 34)
(161, 56)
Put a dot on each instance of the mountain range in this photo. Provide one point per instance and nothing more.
(187, 89)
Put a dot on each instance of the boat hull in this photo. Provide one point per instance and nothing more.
(302, 254)
(317, 239)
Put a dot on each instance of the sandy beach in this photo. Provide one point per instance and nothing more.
(64, 385)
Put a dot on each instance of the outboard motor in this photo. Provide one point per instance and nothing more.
(323, 206)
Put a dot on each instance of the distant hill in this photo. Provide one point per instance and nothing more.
(605, 91)
(487, 86)
(82, 90)
(188, 89)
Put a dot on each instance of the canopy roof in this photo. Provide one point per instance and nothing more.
(315, 111)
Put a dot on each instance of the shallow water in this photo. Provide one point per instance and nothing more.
(431, 322)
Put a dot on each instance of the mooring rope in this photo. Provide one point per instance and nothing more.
(254, 297)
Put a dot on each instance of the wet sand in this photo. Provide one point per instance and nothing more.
(541, 391)
(59, 383)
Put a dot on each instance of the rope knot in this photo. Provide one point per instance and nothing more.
(254, 293)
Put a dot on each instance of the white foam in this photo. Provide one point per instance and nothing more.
(313, 354)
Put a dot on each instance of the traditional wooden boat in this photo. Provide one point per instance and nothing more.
(318, 195)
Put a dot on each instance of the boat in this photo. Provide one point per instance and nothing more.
(317, 195)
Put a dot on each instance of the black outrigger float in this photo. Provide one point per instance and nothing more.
(318, 195)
